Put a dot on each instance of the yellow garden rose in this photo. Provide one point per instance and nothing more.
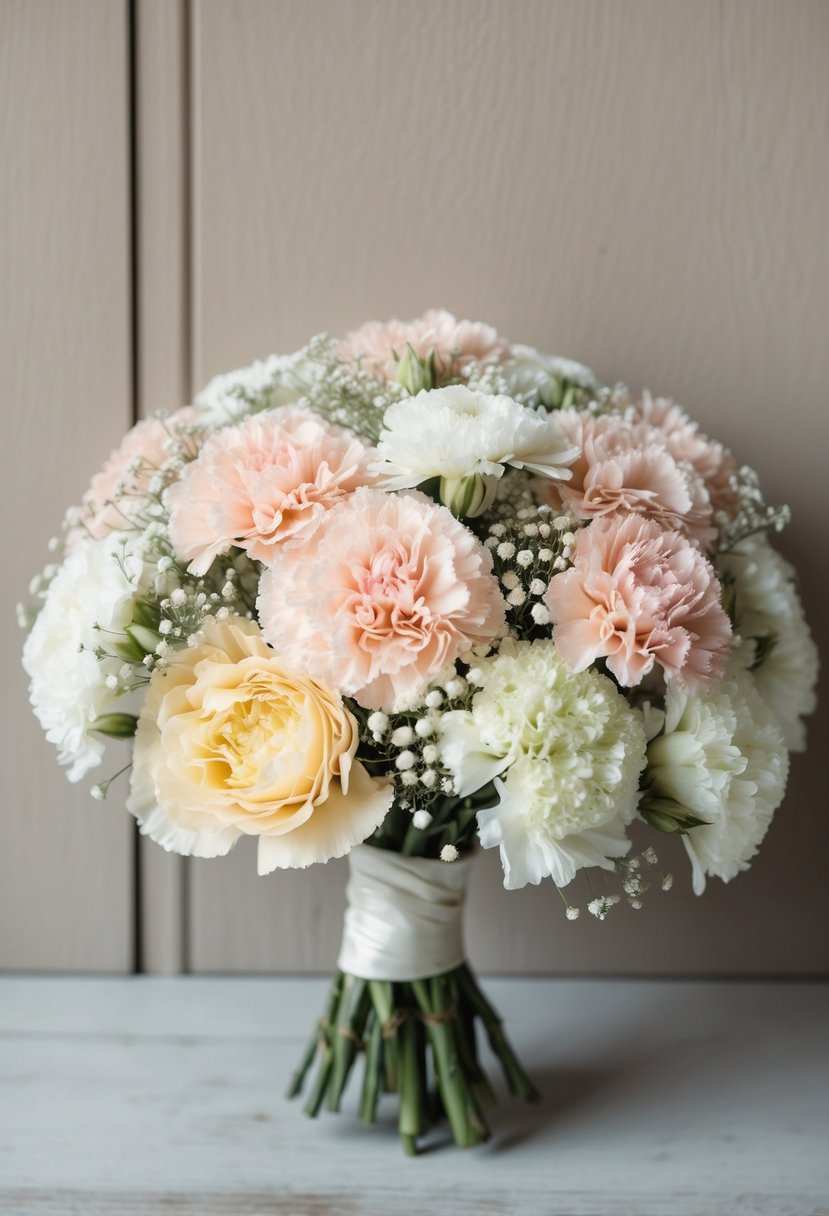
(231, 742)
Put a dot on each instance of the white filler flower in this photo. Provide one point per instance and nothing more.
(532, 374)
(68, 684)
(565, 750)
(775, 639)
(265, 384)
(721, 756)
(457, 434)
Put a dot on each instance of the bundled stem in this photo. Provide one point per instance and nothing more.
(408, 1033)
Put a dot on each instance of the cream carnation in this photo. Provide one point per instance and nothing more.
(234, 742)
(565, 752)
(382, 597)
(720, 757)
(775, 640)
(639, 596)
(263, 385)
(261, 483)
(68, 688)
(379, 346)
(626, 465)
(456, 433)
(533, 375)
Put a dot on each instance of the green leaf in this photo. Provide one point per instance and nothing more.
(146, 639)
(763, 647)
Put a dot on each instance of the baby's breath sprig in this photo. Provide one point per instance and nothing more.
(345, 394)
(526, 555)
(753, 513)
(636, 875)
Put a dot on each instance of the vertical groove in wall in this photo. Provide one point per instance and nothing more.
(190, 69)
(160, 35)
(135, 389)
(188, 366)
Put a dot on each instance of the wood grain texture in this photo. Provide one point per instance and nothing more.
(66, 861)
(145, 1095)
(643, 186)
(163, 345)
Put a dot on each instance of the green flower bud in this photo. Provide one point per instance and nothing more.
(415, 373)
(467, 497)
(117, 726)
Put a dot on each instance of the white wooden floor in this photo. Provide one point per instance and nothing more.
(126, 1097)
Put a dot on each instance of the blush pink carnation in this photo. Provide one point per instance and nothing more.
(627, 465)
(381, 599)
(637, 596)
(127, 474)
(454, 344)
(262, 483)
(712, 462)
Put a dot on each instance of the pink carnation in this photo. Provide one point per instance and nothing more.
(261, 483)
(382, 598)
(713, 463)
(454, 343)
(626, 465)
(636, 596)
(127, 474)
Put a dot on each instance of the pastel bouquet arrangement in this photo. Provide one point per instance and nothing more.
(407, 593)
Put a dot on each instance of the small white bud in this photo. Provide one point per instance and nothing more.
(540, 613)
(545, 555)
(449, 853)
(97, 792)
(537, 586)
(409, 778)
(509, 579)
(404, 761)
(455, 688)
(179, 596)
(506, 549)
(378, 723)
(517, 597)
(165, 627)
(424, 727)
(428, 778)
(430, 753)
(572, 913)
(434, 699)
(524, 557)
(402, 737)
(112, 682)
(421, 820)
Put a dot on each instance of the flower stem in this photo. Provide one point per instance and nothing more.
(517, 1080)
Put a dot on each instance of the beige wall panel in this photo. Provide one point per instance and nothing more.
(66, 861)
(641, 185)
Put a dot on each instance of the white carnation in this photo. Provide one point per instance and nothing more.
(775, 638)
(721, 757)
(534, 375)
(68, 684)
(456, 433)
(272, 382)
(565, 751)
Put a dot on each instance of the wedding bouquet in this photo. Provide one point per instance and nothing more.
(409, 592)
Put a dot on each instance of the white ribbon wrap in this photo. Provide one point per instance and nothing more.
(404, 915)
